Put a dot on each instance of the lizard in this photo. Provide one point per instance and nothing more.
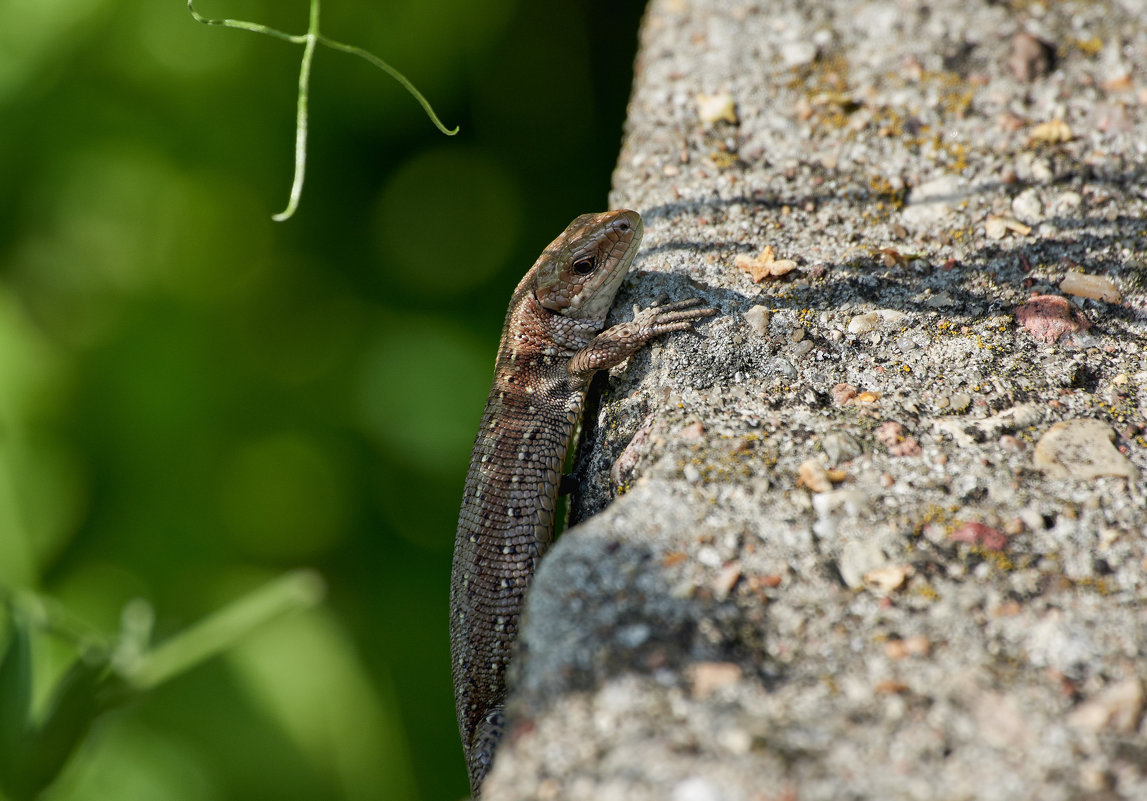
(552, 343)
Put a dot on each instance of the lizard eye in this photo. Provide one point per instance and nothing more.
(584, 266)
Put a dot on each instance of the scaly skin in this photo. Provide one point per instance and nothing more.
(552, 343)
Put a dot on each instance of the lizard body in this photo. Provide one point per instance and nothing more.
(552, 343)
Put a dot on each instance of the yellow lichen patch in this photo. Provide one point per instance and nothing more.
(1089, 46)
(1098, 584)
(888, 121)
(935, 516)
(959, 154)
(723, 161)
(1000, 560)
(882, 189)
(955, 93)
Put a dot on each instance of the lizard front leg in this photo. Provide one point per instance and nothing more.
(614, 345)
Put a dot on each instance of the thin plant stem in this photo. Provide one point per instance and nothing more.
(300, 589)
(309, 40)
(301, 116)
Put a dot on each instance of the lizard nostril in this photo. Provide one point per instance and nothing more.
(623, 227)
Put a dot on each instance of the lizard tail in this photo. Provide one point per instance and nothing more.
(481, 753)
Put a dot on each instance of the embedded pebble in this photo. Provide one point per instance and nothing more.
(997, 227)
(898, 443)
(758, 319)
(814, 475)
(709, 556)
(1048, 317)
(1081, 449)
(933, 203)
(714, 108)
(840, 446)
(889, 578)
(1117, 707)
(916, 645)
(843, 393)
(1096, 287)
(694, 431)
(708, 677)
(1041, 171)
(1000, 721)
(1027, 205)
(725, 581)
(736, 741)
(961, 401)
(796, 54)
(1052, 132)
(849, 501)
(1067, 203)
(802, 348)
(980, 534)
(696, 788)
(994, 228)
(635, 635)
(857, 559)
(1112, 118)
(1030, 58)
(785, 368)
(863, 323)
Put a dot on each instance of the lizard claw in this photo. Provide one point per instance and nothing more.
(615, 344)
(676, 316)
(661, 303)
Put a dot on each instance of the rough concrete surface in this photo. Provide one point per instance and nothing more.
(878, 529)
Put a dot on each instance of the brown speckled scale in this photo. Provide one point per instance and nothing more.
(552, 343)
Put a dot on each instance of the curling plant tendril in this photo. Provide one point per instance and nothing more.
(309, 40)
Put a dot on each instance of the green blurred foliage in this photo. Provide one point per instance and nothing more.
(194, 398)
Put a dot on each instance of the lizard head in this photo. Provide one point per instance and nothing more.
(580, 272)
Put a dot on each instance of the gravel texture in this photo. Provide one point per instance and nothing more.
(878, 529)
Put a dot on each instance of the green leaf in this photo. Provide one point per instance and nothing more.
(73, 709)
(15, 702)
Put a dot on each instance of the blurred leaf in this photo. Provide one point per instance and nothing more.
(421, 391)
(428, 232)
(70, 715)
(132, 761)
(225, 628)
(15, 704)
(306, 675)
(45, 31)
(284, 497)
(40, 487)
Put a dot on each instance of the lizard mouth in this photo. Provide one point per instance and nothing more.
(623, 229)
